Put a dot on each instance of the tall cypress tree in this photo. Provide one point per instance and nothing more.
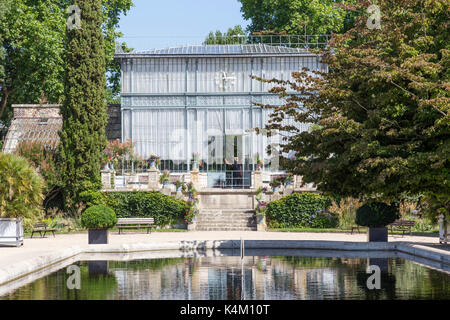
(84, 112)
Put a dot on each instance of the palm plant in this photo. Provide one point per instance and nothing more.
(20, 188)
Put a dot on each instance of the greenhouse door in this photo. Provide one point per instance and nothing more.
(228, 165)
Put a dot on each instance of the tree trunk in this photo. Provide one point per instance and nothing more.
(4, 101)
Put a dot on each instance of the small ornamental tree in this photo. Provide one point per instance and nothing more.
(20, 188)
(84, 113)
(44, 160)
(376, 214)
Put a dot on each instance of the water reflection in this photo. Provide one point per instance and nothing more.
(229, 278)
(97, 268)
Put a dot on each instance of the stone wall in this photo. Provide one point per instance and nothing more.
(36, 111)
(114, 127)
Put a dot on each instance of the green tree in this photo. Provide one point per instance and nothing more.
(380, 115)
(235, 35)
(296, 17)
(84, 109)
(32, 37)
(32, 53)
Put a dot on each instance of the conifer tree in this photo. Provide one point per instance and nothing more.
(84, 109)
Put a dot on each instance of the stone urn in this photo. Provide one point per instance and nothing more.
(261, 223)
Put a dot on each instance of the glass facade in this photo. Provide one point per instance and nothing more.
(180, 101)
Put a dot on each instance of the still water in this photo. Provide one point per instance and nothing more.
(230, 278)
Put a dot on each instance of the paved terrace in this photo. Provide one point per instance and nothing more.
(37, 247)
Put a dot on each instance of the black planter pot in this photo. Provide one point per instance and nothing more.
(98, 236)
(377, 234)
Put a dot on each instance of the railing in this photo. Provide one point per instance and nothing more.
(290, 41)
(230, 179)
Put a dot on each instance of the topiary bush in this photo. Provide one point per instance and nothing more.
(98, 217)
(20, 188)
(376, 214)
(164, 209)
(300, 210)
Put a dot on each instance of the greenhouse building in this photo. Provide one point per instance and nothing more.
(199, 101)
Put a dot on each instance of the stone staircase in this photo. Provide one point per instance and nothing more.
(226, 220)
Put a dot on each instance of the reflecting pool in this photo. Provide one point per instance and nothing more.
(230, 278)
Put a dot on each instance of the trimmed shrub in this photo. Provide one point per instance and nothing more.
(376, 214)
(98, 217)
(164, 209)
(20, 188)
(300, 210)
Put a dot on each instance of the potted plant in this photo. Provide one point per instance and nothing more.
(98, 219)
(191, 190)
(107, 159)
(164, 178)
(275, 184)
(195, 160)
(117, 152)
(154, 160)
(191, 212)
(258, 161)
(289, 180)
(261, 212)
(376, 216)
(180, 186)
(261, 208)
(20, 197)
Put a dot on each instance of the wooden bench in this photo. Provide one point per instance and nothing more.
(355, 227)
(42, 228)
(402, 225)
(135, 223)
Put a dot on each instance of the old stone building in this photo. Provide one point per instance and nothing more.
(41, 123)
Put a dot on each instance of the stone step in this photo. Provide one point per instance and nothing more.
(218, 216)
(201, 228)
(223, 219)
(223, 222)
(205, 217)
(226, 220)
(227, 211)
(226, 223)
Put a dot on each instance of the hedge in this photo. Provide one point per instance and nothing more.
(300, 210)
(164, 209)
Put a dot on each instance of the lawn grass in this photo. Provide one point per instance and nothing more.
(363, 230)
(36, 235)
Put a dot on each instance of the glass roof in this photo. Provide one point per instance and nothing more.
(222, 49)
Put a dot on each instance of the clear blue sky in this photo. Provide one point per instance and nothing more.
(159, 24)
